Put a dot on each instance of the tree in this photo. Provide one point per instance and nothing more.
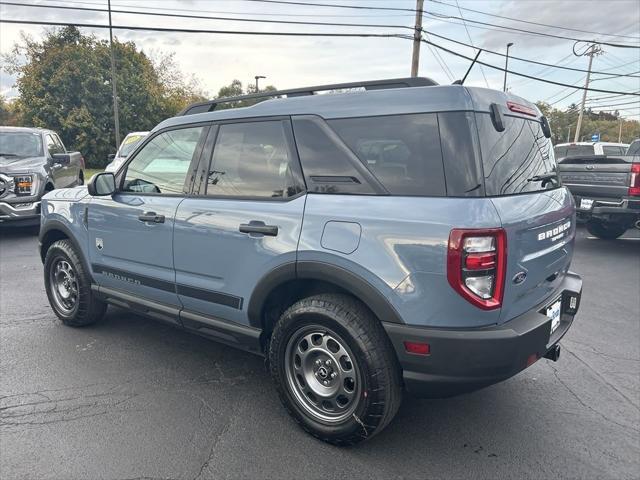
(235, 89)
(9, 112)
(65, 85)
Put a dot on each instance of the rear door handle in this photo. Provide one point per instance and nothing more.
(255, 226)
(151, 217)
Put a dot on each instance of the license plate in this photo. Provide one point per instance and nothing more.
(586, 203)
(553, 312)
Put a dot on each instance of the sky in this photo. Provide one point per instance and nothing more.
(289, 62)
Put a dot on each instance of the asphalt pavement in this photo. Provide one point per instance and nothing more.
(133, 398)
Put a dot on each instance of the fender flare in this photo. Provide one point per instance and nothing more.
(61, 227)
(327, 272)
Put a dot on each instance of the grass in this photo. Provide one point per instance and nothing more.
(90, 172)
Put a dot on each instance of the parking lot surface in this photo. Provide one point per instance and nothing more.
(133, 398)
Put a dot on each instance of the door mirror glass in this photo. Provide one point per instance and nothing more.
(62, 159)
(102, 185)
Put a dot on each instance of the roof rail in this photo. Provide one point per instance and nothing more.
(210, 105)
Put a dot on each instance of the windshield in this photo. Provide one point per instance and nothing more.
(518, 160)
(20, 144)
(573, 150)
(128, 144)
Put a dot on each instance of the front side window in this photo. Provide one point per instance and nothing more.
(162, 165)
(253, 160)
(402, 151)
(53, 146)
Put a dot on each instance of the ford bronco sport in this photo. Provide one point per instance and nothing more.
(397, 236)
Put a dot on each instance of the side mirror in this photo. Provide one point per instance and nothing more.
(63, 159)
(111, 156)
(102, 185)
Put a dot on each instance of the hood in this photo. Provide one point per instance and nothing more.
(20, 164)
(68, 194)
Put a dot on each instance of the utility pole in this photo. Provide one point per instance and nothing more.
(569, 134)
(506, 66)
(591, 52)
(620, 131)
(116, 118)
(417, 39)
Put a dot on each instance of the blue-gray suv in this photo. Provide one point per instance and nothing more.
(381, 237)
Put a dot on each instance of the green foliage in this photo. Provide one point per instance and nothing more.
(65, 85)
(10, 115)
(235, 89)
(606, 123)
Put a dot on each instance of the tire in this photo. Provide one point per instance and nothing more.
(342, 330)
(68, 287)
(606, 231)
(80, 178)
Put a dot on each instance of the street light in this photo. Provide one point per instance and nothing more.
(258, 77)
(506, 65)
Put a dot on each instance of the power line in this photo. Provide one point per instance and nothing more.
(150, 13)
(370, 7)
(519, 74)
(302, 34)
(615, 104)
(534, 23)
(202, 30)
(530, 32)
(471, 41)
(204, 17)
(493, 52)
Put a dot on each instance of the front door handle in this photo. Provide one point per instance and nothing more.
(255, 226)
(151, 217)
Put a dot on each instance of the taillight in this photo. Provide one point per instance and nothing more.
(476, 265)
(634, 184)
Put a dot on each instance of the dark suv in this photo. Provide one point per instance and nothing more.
(399, 235)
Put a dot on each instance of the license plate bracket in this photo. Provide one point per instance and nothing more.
(554, 313)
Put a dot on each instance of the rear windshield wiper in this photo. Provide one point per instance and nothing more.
(544, 178)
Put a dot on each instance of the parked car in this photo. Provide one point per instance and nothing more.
(33, 161)
(580, 149)
(606, 191)
(438, 266)
(127, 146)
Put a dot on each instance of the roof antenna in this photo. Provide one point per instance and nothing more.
(461, 82)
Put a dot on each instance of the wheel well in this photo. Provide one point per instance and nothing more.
(49, 239)
(48, 187)
(288, 293)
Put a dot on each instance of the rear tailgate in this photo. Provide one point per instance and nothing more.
(596, 177)
(540, 231)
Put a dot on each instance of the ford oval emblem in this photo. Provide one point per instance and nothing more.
(519, 277)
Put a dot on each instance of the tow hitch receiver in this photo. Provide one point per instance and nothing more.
(553, 353)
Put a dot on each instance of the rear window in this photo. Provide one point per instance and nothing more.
(573, 150)
(512, 158)
(402, 151)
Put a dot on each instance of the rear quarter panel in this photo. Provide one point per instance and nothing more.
(401, 249)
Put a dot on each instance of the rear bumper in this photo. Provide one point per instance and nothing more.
(463, 360)
(627, 209)
(20, 213)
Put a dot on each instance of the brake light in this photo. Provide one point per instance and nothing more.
(476, 265)
(517, 108)
(634, 183)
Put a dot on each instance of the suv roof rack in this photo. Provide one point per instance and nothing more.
(210, 105)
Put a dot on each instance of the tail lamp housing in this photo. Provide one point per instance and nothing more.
(476, 265)
(634, 183)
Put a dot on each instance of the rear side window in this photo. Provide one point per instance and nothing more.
(511, 159)
(402, 151)
(613, 150)
(253, 160)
